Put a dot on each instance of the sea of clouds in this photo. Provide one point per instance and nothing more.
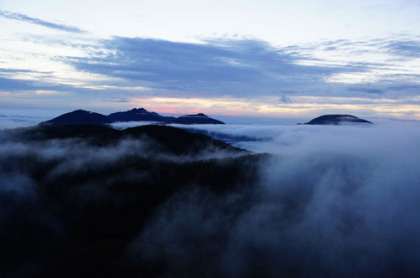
(331, 201)
(334, 201)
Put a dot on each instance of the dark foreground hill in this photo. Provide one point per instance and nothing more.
(167, 139)
(337, 119)
(78, 196)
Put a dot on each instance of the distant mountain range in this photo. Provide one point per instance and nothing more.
(79, 117)
(83, 117)
(337, 119)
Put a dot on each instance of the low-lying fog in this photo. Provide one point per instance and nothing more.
(336, 201)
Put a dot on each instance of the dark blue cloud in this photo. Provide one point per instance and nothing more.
(403, 87)
(285, 99)
(48, 24)
(229, 67)
(406, 48)
(213, 68)
(15, 84)
(367, 90)
(392, 90)
(119, 100)
(18, 85)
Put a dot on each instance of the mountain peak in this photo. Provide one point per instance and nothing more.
(139, 110)
(79, 117)
(196, 115)
(337, 119)
(136, 114)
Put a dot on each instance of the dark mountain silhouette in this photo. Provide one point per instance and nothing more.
(79, 117)
(199, 118)
(82, 117)
(337, 119)
(138, 114)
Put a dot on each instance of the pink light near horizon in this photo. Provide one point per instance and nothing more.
(273, 108)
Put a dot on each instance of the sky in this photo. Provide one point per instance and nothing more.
(273, 59)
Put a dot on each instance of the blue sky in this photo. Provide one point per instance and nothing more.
(245, 58)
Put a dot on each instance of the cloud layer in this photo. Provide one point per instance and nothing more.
(338, 201)
(329, 201)
(230, 68)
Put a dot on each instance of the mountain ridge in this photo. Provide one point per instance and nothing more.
(81, 117)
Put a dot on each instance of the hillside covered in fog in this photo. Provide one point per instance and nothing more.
(74, 197)
(158, 201)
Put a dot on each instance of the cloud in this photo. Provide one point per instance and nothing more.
(48, 24)
(410, 49)
(285, 99)
(119, 100)
(18, 86)
(336, 202)
(225, 70)
(217, 67)
(15, 84)
(366, 90)
(250, 68)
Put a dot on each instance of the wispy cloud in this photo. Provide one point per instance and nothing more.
(405, 48)
(48, 24)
